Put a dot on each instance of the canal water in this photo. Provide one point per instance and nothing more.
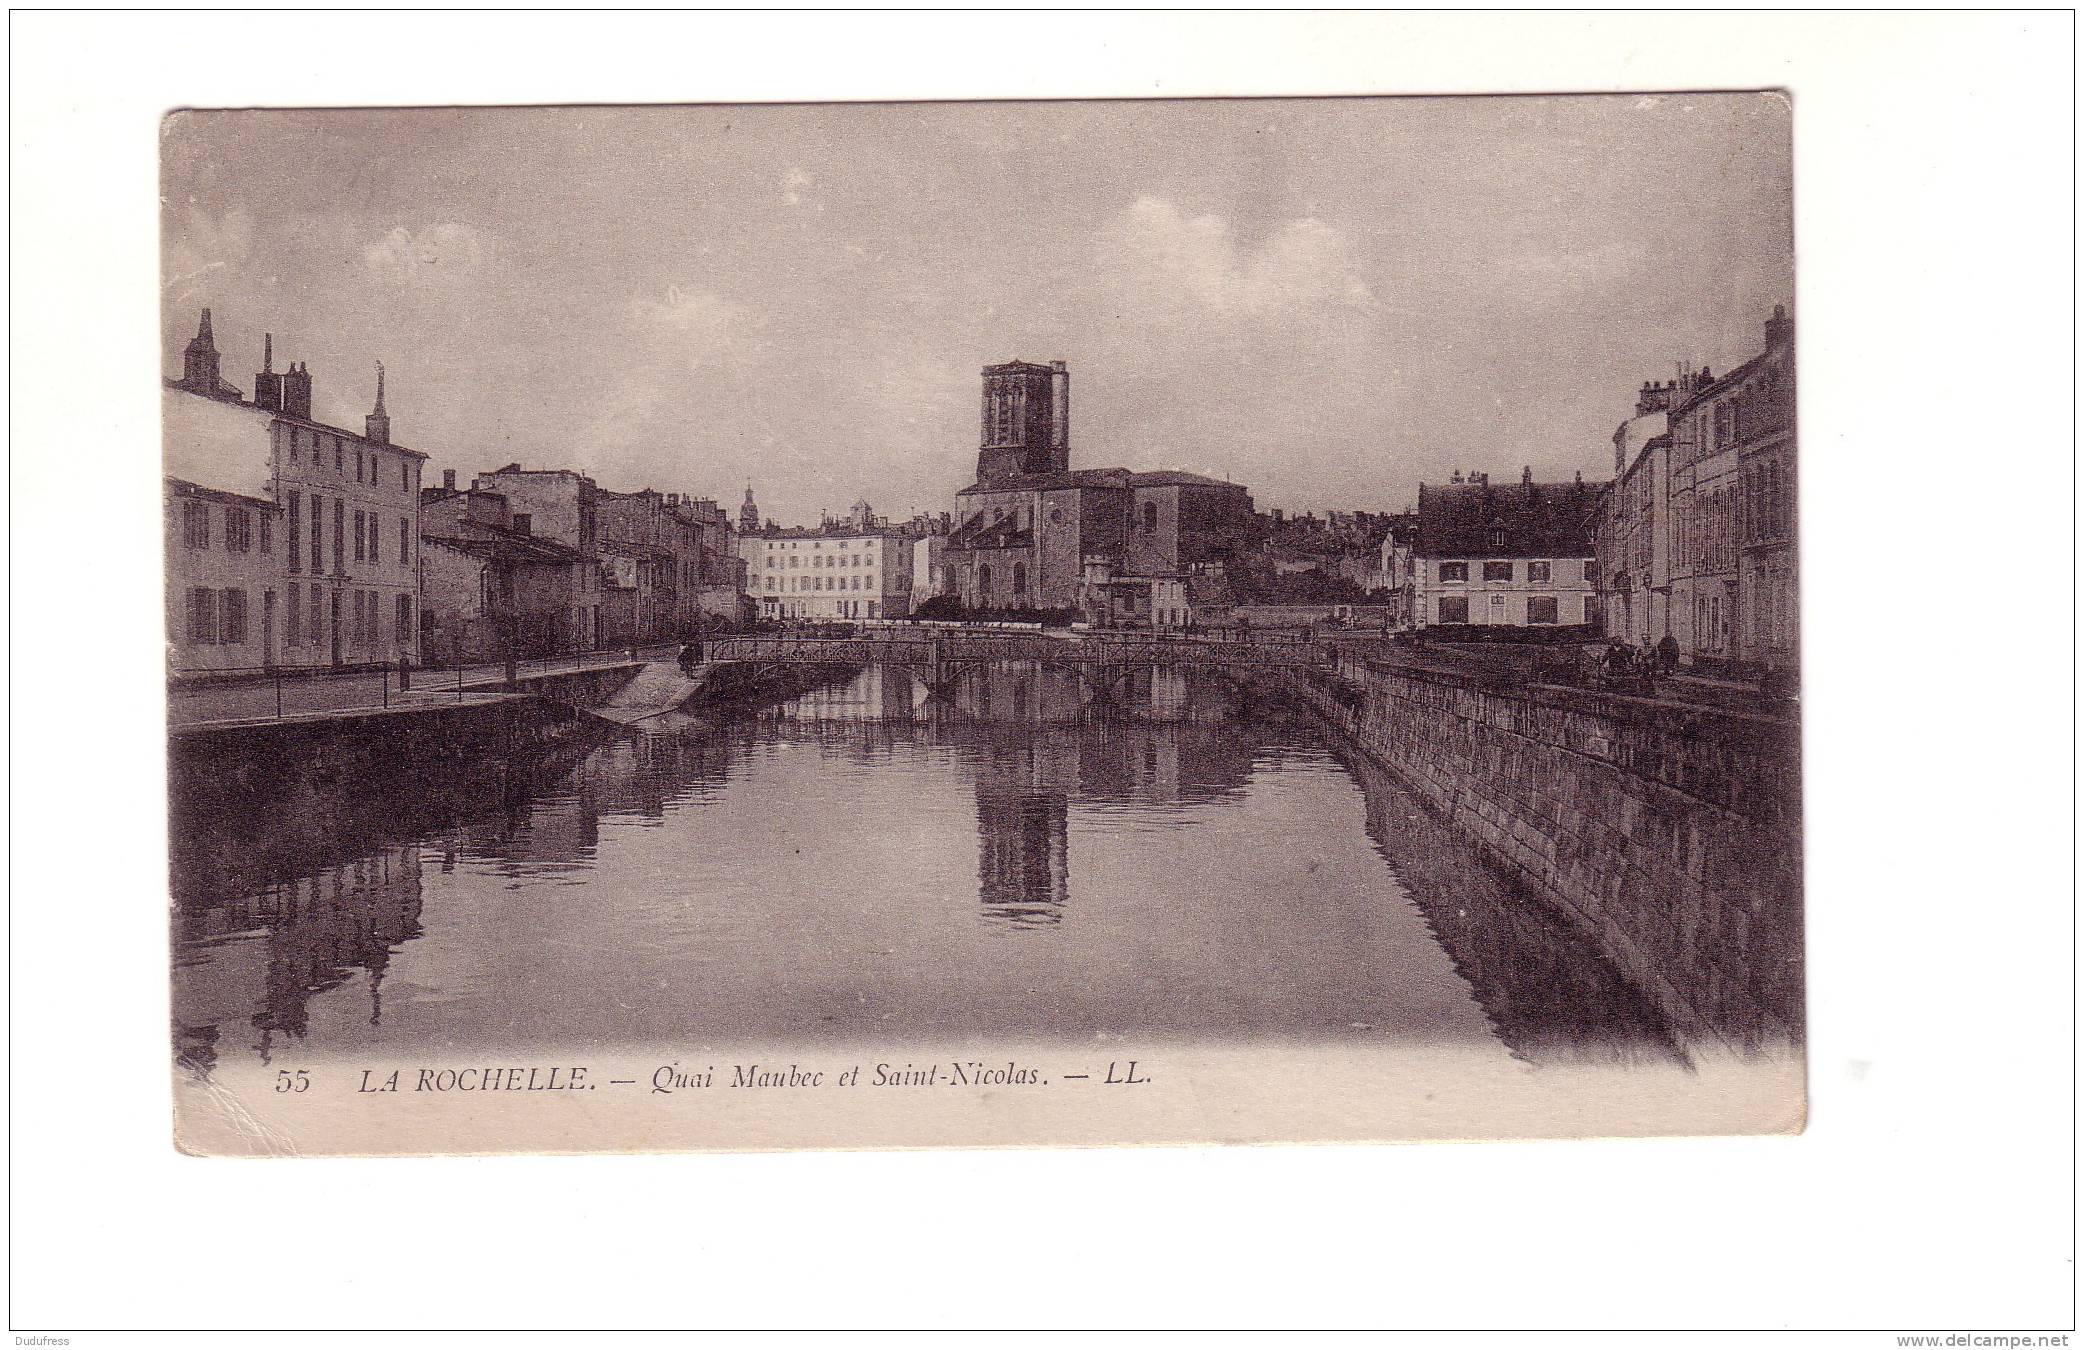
(1178, 862)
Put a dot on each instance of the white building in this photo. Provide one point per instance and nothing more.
(289, 542)
(840, 571)
(1514, 556)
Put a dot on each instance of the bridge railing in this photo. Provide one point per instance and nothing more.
(1093, 649)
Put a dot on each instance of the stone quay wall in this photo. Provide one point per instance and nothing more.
(1669, 834)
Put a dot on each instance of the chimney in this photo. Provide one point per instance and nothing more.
(448, 480)
(296, 390)
(377, 426)
(1779, 330)
(267, 385)
(1526, 475)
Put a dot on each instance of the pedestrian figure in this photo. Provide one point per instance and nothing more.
(687, 661)
(1668, 654)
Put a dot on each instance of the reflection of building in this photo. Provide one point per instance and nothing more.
(1513, 556)
(321, 929)
(1034, 533)
(288, 541)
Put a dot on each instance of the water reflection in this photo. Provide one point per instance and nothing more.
(864, 861)
(317, 933)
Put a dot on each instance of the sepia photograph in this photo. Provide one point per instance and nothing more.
(981, 623)
(1173, 673)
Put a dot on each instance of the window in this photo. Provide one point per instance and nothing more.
(1454, 571)
(238, 530)
(195, 524)
(1591, 572)
(984, 579)
(1454, 609)
(316, 615)
(404, 540)
(375, 542)
(267, 524)
(361, 614)
(293, 434)
(1497, 538)
(339, 456)
(318, 536)
(202, 614)
(358, 466)
(1541, 609)
(234, 630)
(293, 631)
(1020, 581)
(296, 522)
(1538, 572)
(358, 536)
(339, 535)
(1150, 517)
(1497, 571)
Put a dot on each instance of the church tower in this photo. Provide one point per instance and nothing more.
(749, 514)
(1026, 423)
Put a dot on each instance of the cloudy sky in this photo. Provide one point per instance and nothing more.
(1326, 300)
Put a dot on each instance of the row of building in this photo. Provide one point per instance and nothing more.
(291, 542)
(1693, 540)
(1696, 537)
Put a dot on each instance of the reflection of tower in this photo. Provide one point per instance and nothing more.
(1023, 835)
(1026, 421)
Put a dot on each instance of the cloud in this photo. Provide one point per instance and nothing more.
(1194, 267)
(436, 253)
(696, 328)
(203, 246)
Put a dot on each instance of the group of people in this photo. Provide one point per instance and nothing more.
(1623, 661)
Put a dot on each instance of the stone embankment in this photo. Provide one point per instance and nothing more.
(268, 792)
(1670, 834)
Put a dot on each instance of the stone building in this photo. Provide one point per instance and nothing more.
(838, 571)
(1734, 586)
(1632, 538)
(1391, 581)
(1032, 533)
(290, 542)
(563, 505)
(489, 587)
(1516, 556)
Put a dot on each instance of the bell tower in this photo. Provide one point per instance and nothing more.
(1026, 420)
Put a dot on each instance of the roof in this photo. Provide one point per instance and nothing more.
(1093, 478)
(181, 487)
(982, 533)
(486, 541)
(1537, 520)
